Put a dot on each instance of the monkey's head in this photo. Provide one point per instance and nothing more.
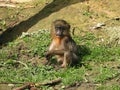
(61, 28)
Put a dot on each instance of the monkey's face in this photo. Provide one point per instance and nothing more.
(61, 28)
(60, 31)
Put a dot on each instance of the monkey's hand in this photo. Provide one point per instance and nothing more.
(48, 55)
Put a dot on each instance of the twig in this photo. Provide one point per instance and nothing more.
(25, 86)
(22, 63)
(31, 85)
(51, 83)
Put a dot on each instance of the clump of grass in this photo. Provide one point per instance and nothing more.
(106, 74)
(112, 87)
(38, 42)
(40, 74)
(2, 24)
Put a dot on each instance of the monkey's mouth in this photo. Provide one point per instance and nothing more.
(59, 35)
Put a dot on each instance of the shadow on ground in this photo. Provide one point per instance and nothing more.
(82, 52)
(13, 32)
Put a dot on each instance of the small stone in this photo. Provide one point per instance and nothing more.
(62, 87)
(11, 85)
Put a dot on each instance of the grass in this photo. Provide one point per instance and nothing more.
(105, 74)
(2, 24)
(113, 87)
(41, 73)
(16, 66)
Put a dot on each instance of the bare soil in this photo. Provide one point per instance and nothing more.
(32, 16)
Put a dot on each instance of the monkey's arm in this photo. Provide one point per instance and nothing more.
(56, 52)
(49, 54)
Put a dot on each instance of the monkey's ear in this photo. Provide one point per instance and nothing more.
(68, 26)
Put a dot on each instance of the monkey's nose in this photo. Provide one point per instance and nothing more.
(59, 34)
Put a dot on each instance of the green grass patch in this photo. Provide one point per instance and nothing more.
(40, 74)
(16, 65)
(112, 87)
(105, 74)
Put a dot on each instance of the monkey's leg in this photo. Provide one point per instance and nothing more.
(67, 59)
(60, 59)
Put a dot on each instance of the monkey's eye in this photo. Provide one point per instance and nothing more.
(60, 28)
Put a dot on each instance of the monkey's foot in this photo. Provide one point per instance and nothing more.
(63, 66)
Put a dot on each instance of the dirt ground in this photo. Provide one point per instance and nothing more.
(29, 17)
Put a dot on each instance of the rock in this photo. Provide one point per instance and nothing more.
(99, 25)
(11, 85)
